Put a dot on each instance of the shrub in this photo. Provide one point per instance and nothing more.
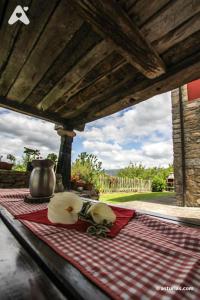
(87, 168)
(158, 184)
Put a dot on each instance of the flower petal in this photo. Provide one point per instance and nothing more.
(64, 208)
(67, 218)
(100, 212)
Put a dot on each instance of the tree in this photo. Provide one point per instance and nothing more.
(53, 157)
(157, 174)
(158, 184)
(12, 158)
(87, 167)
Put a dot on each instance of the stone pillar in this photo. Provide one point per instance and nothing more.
(186, 140)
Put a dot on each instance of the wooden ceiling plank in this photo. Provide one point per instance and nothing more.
(93, 57)
(43, 88)
(61, 27)
(82, 42)
(186, 48)
(126, 4)
(32, 111)
(95, 92)
(86, 96)
(141, 11)
(107, 17)
(172, 16)
(3, 4)
(38, 13)
(160, 45)
(113, 62)
(8, 34)
(179, 34)
(141, 90)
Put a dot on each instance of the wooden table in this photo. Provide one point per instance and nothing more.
(30, 269)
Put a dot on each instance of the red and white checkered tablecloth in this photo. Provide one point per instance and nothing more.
(148, 259)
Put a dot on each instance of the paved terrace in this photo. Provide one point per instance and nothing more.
(165, 205)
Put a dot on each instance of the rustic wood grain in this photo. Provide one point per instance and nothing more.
(57, 103)
(96, 92)
(93, 57)
(186, 48)
(139, 90)
(38, 14)
(142, 10)
(81, 43)
(126, 4)
(32, 111)
(170, 57)
(172, 16)
(107, 18)
(102, 70)
(3, 4)
(20, 276)
(172, 38)
(58, 32)
(179, 34)
(64, 160)
(86, 76)
(8, 34)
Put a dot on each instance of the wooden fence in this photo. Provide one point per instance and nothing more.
(123, 184)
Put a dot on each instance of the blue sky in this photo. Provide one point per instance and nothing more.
(140, 134)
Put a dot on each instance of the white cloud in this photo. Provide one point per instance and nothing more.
(17, 131)
(114, 156)
(141, 134)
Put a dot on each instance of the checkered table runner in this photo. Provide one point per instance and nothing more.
(148, 259)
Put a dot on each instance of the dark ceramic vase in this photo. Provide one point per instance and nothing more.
(42, 180)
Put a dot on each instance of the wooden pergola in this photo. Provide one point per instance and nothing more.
(81, 60)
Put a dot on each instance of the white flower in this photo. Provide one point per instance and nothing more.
(100, 212)
(64, 208)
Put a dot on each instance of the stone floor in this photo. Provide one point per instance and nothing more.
(166, 206)
(170, 210)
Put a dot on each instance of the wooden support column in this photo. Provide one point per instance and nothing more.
(64, 159)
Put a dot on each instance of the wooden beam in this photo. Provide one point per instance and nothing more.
(109, 19)
(32, 111)
(141, 90)
(61, 95)
(64, 161)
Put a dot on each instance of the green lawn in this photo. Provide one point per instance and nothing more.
(126, 197)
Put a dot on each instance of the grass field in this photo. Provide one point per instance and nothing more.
(126, 197)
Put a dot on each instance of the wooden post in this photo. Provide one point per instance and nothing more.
(64, 161)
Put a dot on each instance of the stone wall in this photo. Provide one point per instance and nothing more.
(14, 179)
(186, 140)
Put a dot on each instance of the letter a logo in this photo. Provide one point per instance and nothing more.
(19, 15)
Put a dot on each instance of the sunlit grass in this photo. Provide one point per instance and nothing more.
(126, 197)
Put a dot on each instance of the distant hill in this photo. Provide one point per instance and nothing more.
(112, 172)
